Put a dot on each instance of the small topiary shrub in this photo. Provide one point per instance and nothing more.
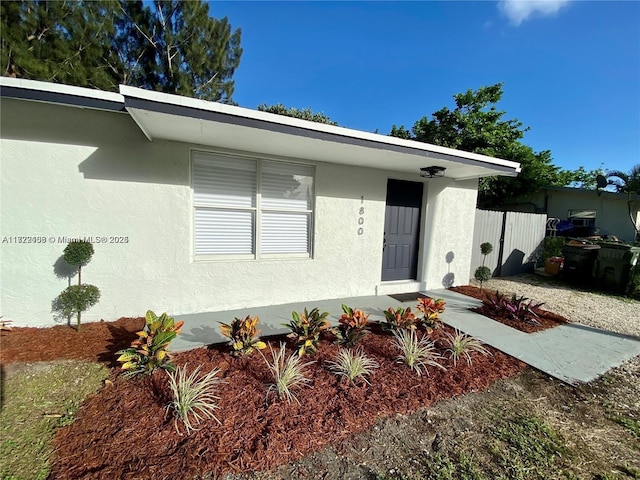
(78, 253)
(482, 273)
(151, 350)
(77, 298)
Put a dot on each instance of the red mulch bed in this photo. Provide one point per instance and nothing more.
(97, 341)
(122, 431)
(546, 319)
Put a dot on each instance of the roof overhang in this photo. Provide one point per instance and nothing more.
(163, 116)
(170, 117)
(62, 94)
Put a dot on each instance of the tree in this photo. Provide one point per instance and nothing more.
(301, 113)
(625, 182)
(194, 54)
(58, 42)
(477, 126)
(169, 46)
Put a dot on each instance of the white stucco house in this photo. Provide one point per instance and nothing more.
(196, 206)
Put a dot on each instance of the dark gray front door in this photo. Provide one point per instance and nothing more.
(401, 230)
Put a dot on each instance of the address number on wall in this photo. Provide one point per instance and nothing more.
(361, 216)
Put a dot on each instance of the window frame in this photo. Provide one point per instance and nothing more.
(257, 210)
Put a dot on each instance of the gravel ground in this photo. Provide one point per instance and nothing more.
(613, 313)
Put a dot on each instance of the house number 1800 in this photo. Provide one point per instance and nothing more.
(361, 216)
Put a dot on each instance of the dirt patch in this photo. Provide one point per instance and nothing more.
(462, 430)
(545, 319)
(256, 433)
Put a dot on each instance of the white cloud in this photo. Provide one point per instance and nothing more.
(517, 11)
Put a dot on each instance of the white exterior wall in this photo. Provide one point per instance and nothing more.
(70, 172)
(450, 209)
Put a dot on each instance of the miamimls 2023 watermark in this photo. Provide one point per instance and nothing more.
(42, 239)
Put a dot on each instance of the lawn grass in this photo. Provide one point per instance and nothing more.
(36, 401)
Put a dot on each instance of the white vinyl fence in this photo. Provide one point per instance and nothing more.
(516, 238)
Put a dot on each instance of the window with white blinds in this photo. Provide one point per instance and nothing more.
(251, 208)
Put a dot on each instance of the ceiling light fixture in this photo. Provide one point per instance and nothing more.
(432, 172)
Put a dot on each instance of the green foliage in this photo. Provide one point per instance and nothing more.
(486, 248)
(76, 299)
(399, 319)
(78, 253)
(476, 125)
(243, 335)
(301, 113)
(287, 373)
(552, 247)
(631, 424)
(193, 398)
(462, 345)
(36, 401)
(431, 308)
(441, 467)
(352, 365)
(165, 45)
(418, 354)
(353, 326)
(625, 182)
(306, 328)
(526, 448)
(150, 350)
(482, 274)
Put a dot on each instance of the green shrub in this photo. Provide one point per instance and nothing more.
(78, 253)
(486, 248)
(552, 247)
(462, 345)
(287, 373)
(79, 298)
(352, 365)
(482, 273)
(399, 319)
(431, 308)
(150, 350)
(76, 299)
(353, 326)
(193, 399)
(243, 335)
(418, 354)
(306, 328)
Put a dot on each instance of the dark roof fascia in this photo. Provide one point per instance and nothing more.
(60, 98)
(190, 112)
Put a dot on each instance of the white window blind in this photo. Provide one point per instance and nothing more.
(251, 207)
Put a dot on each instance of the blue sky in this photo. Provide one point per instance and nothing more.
(571, 69)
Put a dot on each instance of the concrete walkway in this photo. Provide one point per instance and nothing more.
(573, 353)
